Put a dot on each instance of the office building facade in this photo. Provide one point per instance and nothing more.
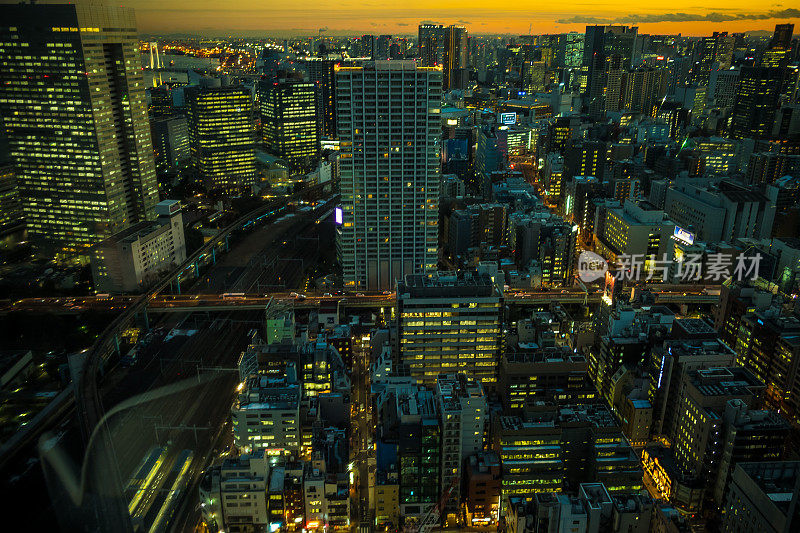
(222, 136)
(450, 323)
(757, 97)
(10, 208)
(75, 113)
(289, 121)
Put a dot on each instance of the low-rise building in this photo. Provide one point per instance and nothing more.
(530, 373)
(483, 489)
(132, 259)
(267, 416)
(233, 495)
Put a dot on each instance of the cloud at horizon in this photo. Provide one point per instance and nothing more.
(684, 17)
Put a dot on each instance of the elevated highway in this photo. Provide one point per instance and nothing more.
(167, 303)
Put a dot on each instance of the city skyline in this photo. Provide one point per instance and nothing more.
(284, 18)
(505, 271)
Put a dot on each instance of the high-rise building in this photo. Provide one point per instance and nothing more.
(579, 194)
(625, 337)
(748, 435)
(365, 46)
(562, 132)
(529, 373)
(455, 56)
(722, 87)
(488, 159)
(779, 51)
(389, 130)
(267, 416)
(289, 121)
(450, 322)
(735, 301)
(419, 449)
(713, 52)
(170, 141)
(74, 109)
(636, 228)
(552, 449)
(545, 242)
(382, 45)
(431, 44)
(234, 494)
(757, 98)
(585, 158)
(616, 73)
(483, 488)
(553, 176)
(601, 43)
(222, 135)
(787, 205)
(322, 72)
(676, 357)
(161, 101)
(644, 90)
(530, 453)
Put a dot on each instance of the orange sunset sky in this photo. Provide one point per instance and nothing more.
(337, 17)
(688, 17)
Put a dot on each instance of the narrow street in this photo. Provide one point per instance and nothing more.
(361, 446)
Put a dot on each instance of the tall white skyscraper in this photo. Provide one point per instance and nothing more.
(389, 128)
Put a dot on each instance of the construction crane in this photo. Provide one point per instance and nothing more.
(431, 518)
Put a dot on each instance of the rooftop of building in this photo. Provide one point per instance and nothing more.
(597, 415)
(772, 316)
(632, 502)
(532, 353)
(446, 284)
(262, 392)
(277, 476)
(452, 388)
(595, 494)
(483, 460)
(725, 381)
(540, 421)
(421, 403)
(694, 326)
(739, 193)
(790, 242)
(243, 462)
(744, 419)
(143, 230)
(697, 347)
